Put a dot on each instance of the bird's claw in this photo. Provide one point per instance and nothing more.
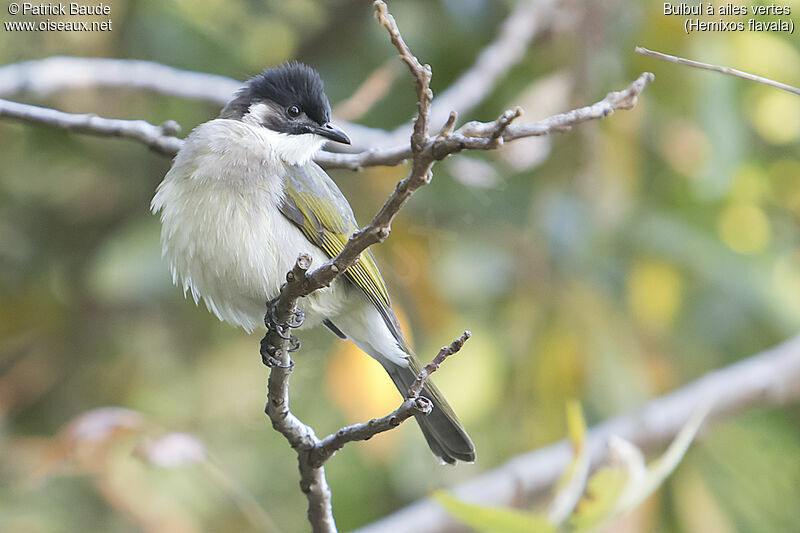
(294, 344)
(269, 355)
(296, 319)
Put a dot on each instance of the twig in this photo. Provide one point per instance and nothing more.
(473, 135)
(159, 138)
(769, 378)
(413, 405)
(421, 73)
(424, 153)
(53, 74)
(416, 387)
(721, 69)
(365, 431)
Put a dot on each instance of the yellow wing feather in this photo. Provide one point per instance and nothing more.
(323, 222)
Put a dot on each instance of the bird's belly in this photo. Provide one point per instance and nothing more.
(232, 249)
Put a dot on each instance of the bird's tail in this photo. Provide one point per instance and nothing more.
(376, 331)
(446, 437)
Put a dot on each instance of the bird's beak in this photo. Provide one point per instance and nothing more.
(329, 131)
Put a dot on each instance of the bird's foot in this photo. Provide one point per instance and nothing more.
(294, 344)
(296, 319)
(270, 356)
(268, 352)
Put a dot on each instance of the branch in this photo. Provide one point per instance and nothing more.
(413, 405)
(313, 453)
(51, 75)
(723, 70)
(473, 135)
(159, 138)
(416, 387)
(769, 378)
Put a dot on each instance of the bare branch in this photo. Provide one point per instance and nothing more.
(423, 158)
(769, 378)
(159, 138)
(422, 77)
(416, 387)
(413, 405)
(473, 135)
(47, 76)
(365, 431)
(721, 69)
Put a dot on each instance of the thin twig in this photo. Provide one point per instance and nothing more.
(473, 135)
(721, 69)
(421, 73)
(770, 378)
(414, 404)
(416, 387)
(43, 77)
(365, 431)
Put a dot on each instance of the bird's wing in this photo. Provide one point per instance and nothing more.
(313, 202)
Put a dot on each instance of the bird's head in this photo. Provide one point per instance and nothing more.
(289, 101)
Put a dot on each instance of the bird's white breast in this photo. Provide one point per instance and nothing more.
(222, 233)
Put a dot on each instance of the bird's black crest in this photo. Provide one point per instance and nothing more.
(288, 84)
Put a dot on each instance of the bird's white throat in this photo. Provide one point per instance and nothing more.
(291, 149)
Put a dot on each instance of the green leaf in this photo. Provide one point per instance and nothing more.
(602, 493)
(491, 519)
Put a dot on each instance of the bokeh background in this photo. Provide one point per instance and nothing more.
(610, 264)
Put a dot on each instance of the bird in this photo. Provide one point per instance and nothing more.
(243, 198)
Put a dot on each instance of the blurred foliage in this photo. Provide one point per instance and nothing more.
(583, 503)
(609, 264)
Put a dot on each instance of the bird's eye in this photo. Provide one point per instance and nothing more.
(293, 111)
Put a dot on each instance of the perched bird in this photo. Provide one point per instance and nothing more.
(243, 199)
